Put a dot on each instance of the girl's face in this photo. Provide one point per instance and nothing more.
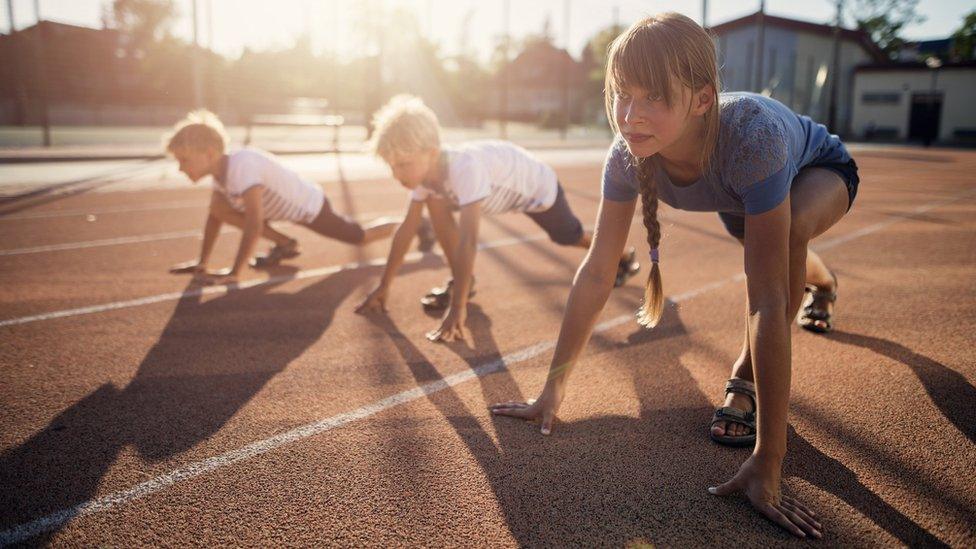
(646, 122)
(650, 126)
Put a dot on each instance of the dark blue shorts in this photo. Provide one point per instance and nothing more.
(735, 223)
(559, 221)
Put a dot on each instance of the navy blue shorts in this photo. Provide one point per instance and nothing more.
(735, 224)
(559, 221)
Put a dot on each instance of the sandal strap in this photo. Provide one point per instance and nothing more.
(741, 386)
(825, 294)
(735, 415)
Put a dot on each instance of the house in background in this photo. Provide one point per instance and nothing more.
(537, 80)
(916, 101)
(795, 63)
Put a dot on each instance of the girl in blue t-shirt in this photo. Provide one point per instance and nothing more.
(777, 180)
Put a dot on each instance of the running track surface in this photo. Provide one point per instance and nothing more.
(274, 415)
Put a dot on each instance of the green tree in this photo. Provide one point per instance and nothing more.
(143, 21)
(964, 39)
(595, 60)
(884, 20)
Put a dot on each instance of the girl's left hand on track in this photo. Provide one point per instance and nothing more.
(759, 480)
(451, 328)
(541, 410)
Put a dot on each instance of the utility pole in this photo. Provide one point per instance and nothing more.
(197, 76)
(40, 64)
(564, 74)
(834, 75)
(503, 99)
(705, 14)
(760, 45)
(210, 25)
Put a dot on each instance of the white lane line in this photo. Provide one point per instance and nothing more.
(202, 203)
(50, 522)
(137, 239)
(104, 242)
(28, 530)
(208, 290)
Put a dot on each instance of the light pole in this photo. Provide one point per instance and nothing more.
(834, 77)
(503, 99)
(564, 125)
(933, 63)
(41, 64)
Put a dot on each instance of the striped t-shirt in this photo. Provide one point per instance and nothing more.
(502, 175)
(285, 196)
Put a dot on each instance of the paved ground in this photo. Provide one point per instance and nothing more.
(136, 409)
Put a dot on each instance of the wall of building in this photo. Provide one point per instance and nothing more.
(796, 69)
(888, 108)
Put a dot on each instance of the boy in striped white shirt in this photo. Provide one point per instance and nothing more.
(252, 188)
(480, 177)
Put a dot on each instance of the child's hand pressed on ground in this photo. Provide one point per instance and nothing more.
(188, 267)
(375, 302)
(759, 479)
(452, 326)
(542, 410)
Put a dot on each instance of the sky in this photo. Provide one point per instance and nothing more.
(236, 24)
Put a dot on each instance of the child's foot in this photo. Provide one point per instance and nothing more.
(276, 255)
(818, 310)
(734, 424)
(426, 236)
(627, 268)
(439, 298)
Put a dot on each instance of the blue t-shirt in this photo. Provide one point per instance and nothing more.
(762, 145)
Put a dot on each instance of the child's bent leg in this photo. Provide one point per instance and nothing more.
(222, 210)
(445, 227)
(380, 228)
(332, 225)
(819, 200)
(817, 272)
(565, 229)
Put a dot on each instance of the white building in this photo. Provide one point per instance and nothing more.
(916, 102)
(794, 64)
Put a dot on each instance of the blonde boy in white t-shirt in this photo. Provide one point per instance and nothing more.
(480, 177)
(251, 188)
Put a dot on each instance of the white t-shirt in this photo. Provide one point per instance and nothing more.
(502, 175)
(285, 197)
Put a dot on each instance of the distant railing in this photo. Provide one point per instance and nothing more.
(333, 121)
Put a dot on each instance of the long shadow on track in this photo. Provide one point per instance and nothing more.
(211, 359)
(948, 389)
(615, 480)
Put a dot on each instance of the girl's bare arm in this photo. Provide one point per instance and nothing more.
(591, 288)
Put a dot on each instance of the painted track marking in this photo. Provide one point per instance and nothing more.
(50, 522)
(209, 290)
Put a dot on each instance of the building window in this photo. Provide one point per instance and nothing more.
(880, 98)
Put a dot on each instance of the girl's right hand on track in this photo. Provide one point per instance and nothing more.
(374, 302)
(542, 410)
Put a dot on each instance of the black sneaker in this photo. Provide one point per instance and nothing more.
(278, 253)
(439, 298)
(627, 268)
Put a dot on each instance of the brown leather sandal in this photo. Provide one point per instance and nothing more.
(729, 414)
(815, 310)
